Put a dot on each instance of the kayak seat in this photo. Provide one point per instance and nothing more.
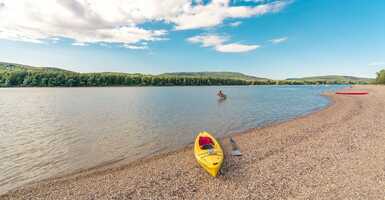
(206, 142)
(207, 146)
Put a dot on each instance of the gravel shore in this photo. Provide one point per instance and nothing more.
(336, 153)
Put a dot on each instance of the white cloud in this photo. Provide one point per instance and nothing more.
(377, 64)
(219, 44)
(17, 36)
(235, 24)
(79, 44)
(256, 1)
(213, 13)
(279, 40)
(208, 40)
(135, 47)
(83, 21)
(235, 48)
(54, 38)
(115, 21)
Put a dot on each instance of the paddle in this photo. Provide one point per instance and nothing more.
(234, 148)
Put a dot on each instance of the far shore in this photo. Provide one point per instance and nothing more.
(167, 86)
(334, 153)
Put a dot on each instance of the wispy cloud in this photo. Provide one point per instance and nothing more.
(79, 44)
(208, 40)
(135, 47)
(215, 12)
(235, 48)
(377, 64)
(279, 40)
(256, 1)
(235, 24)
(220, 43)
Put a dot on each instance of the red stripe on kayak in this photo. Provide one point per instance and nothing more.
(353, 93)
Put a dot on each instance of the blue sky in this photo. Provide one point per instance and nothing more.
(274, 39)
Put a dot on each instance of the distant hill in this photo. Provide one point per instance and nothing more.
(19, 67)
(224, 75)
(333, 78)
(18, 75)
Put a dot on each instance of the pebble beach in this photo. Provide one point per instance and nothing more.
(334, 153)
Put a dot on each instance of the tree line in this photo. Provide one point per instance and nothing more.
(25, 78)
(381, 77)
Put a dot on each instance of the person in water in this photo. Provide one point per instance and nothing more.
(220, 94)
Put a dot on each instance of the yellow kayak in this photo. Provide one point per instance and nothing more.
(209, 156)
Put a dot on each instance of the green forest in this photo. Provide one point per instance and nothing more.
(381, 77)
(14, 75)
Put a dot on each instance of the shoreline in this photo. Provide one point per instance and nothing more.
(126, 163)
(167, 86)
(139, 174)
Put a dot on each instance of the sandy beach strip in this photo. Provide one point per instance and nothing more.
(336, 153)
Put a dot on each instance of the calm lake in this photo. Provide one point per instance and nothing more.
(47, 132)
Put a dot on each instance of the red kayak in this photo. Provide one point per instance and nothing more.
(353, 93)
